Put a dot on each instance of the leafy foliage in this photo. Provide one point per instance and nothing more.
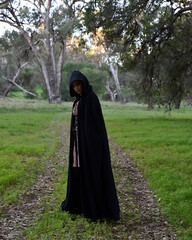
(96, 77)
(161, 145)
(148, 31)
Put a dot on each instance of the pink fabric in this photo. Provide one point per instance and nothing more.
(75, 109)
(76, 162)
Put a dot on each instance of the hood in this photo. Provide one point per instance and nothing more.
(77, 75)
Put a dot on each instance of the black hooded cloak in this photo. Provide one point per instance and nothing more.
(90, 188)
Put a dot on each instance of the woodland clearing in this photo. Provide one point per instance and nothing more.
(33, 211)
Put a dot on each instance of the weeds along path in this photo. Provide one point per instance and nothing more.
(140, 215)
(141, 218)
(16, 217)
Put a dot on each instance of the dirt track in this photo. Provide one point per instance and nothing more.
(140, 216)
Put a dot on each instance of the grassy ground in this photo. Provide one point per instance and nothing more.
(29, 132)
(25, 138)
(159, 143)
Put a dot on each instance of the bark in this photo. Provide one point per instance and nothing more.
(178, 98)
(38, 57)
(21, 88)
(114, 71)
(50, 56)
(110, 92)
(4, 4)
(50, 70)
(177, 103)
(5, 93)
(150, 92)
(53, 84)
(150, 102)
(59, 69)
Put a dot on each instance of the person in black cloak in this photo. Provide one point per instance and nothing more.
(90, 187)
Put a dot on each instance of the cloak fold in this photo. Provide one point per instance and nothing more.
(91, 188)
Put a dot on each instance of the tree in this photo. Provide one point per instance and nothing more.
(144, 27)
(96, 77)
(45, 26)
(162, 70)
(13, 61)
(165, 69)
(111, 57)
(174, 68)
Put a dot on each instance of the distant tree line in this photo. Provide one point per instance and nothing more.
(153, 39)
(142, 49)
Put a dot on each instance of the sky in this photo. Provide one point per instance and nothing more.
(4, 27)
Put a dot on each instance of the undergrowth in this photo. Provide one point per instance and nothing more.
(161, 145)
(158, 142)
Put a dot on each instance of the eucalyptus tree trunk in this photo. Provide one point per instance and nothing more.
(110, 92)
(13, 82)
(52, 75)
(114, 70)
(7, 90)
(150, 92)
(50, 67)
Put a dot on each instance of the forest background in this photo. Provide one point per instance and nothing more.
(129, 50)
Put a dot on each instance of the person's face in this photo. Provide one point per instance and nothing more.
(78, 86)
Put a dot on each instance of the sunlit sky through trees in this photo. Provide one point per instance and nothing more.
(4, 27)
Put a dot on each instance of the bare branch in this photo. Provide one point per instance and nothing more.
(4, 4)
(170, 28)
(18, 71)
(61, 61)
(35, 5)
(182, 10)
(12, 12)
(17, 85)
(46, 25)
(14, 78)
(10, 23)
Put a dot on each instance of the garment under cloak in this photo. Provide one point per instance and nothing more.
(76, 162)
(91, 187)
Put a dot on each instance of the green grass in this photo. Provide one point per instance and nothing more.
(162, 146)
(56, 224)
(27, 135)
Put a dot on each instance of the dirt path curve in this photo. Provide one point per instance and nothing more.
(140, 215)
(16, 217)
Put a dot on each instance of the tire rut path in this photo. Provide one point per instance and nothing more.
(141, 218)
(18, 216)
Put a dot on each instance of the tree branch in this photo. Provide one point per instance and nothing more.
(159, 34)
(185, 9)
(18, 71)
(10, 23)
(35, 5)
(12, 12)
(14, 81)
(4, 4)
(17, 85)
